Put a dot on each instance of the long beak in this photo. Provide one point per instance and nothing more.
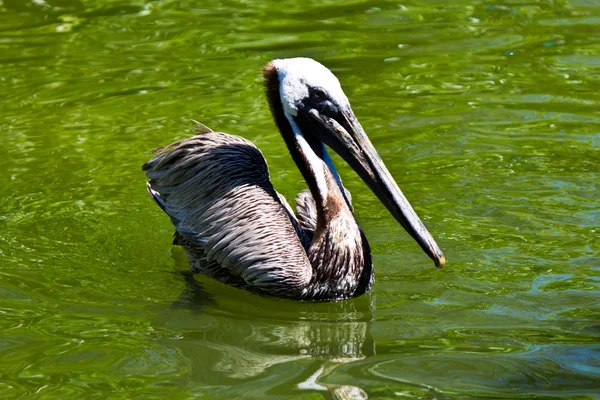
(345, 136)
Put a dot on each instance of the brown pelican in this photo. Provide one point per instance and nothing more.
(236, 228)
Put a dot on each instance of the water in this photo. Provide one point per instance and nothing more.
(485, 112)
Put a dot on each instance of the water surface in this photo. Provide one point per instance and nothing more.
(486, 113)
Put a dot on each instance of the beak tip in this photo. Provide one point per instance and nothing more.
(440, 261)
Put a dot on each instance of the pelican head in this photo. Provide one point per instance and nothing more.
(309, 98)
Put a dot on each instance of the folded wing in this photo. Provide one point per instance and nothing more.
(215, 188)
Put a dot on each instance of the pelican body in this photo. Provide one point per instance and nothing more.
(236, 228)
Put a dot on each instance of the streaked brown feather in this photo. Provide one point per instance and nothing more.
(216, 189)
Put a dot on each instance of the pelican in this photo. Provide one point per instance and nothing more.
(236, 228)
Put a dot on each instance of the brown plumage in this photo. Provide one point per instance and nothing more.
(227, 225)
(236, 228)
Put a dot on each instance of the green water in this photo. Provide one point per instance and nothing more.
(485, 112)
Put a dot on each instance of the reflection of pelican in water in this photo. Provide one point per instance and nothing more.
(231, 341)
(237, 229)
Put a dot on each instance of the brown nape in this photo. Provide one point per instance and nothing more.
(272, 90)
(273, 98)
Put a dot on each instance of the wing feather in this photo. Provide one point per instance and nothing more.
(215, 188)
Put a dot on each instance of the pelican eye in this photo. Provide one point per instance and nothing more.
(318, 94)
